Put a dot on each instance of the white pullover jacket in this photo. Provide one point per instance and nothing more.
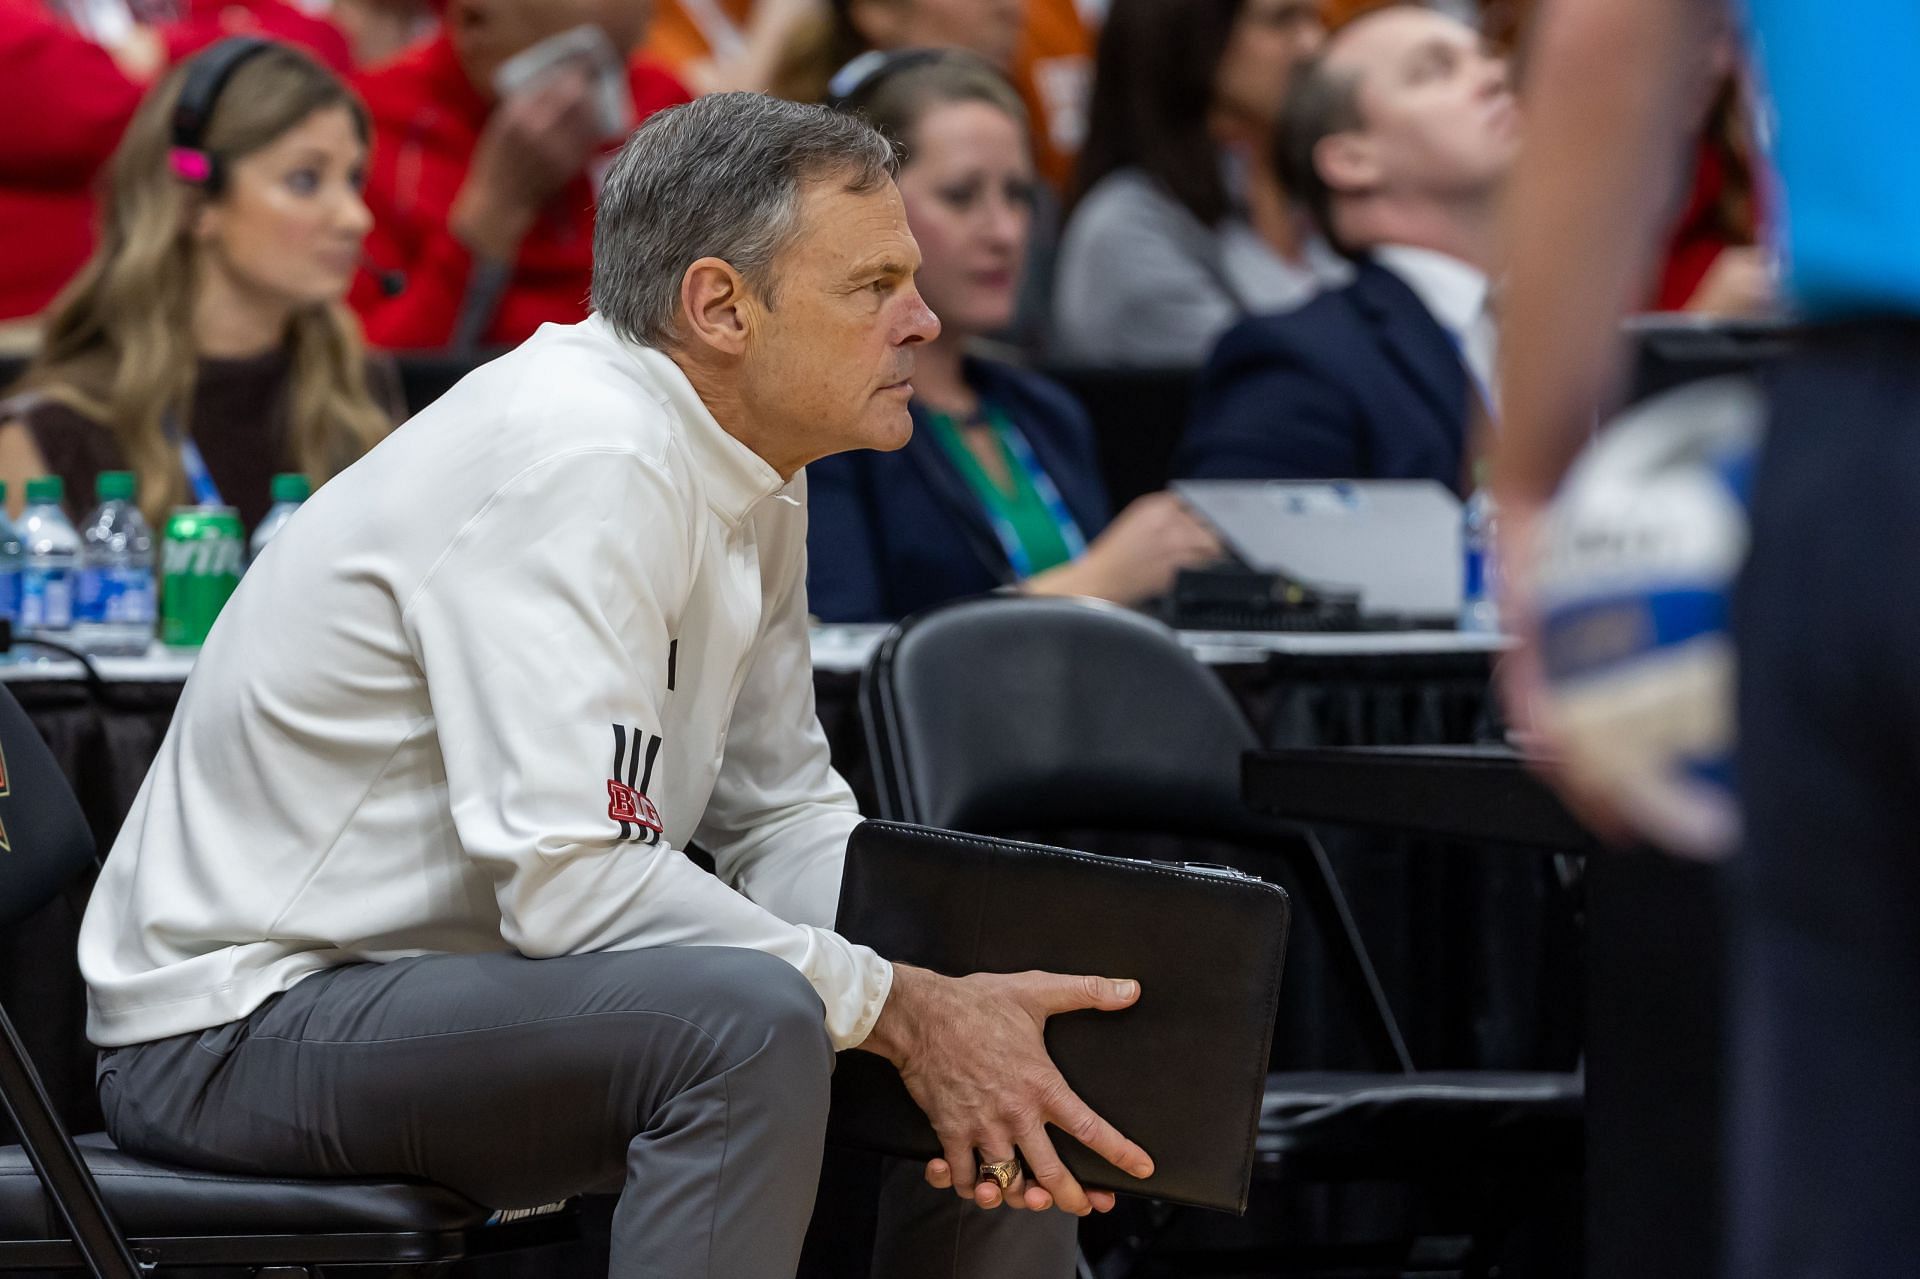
(477, 695)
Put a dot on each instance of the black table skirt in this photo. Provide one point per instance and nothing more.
(1475, 950)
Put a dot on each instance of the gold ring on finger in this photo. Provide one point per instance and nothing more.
(1001, 1174)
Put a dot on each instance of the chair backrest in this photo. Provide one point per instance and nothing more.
(44, 840)
(1011, 713)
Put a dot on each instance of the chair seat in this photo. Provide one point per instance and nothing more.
(150, 1199)
(1366, 1122)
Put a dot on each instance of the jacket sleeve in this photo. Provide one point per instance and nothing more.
(844, 578)
(1264, 411)
(543, 635)
(778, 821)
(67, 101)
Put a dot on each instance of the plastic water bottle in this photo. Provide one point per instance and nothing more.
(289, 490)
(113, 598)
(52, 557)
(1479, 605)
(12, 561)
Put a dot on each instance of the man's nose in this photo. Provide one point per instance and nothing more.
(922, 325)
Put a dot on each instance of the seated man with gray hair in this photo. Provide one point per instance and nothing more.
(404, 892)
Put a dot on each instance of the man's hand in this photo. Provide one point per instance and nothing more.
(971, 1054)
(533, 144)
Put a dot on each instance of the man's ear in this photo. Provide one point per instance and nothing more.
(716, 308)
(1347, 162)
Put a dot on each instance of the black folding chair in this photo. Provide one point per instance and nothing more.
(1019, 714)
(68, 1204)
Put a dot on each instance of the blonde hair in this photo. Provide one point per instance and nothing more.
(118, 345)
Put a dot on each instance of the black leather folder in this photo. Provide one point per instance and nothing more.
(1181, 1072)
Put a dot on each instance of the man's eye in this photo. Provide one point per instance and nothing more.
(881, 287)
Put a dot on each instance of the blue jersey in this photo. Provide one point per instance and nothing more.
(1840, 85)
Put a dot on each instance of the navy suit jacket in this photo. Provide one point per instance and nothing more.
(1360, 383)
(889, 534)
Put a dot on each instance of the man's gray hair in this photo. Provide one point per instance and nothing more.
(720, 177)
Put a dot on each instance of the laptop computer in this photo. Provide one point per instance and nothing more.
(1393, 543)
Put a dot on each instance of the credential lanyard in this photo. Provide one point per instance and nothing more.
(1049, 494)
(199, 478)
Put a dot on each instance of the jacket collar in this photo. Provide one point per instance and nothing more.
(950, 487)
(734, 477)
(1414, 340)
(1454, 292)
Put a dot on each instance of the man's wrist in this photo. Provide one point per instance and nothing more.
(893, 1030)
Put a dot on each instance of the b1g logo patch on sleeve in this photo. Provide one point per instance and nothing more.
(627, 804)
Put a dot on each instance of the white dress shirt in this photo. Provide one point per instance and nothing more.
(1455, 293)
(478, 695)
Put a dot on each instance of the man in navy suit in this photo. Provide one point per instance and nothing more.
(1398, 138)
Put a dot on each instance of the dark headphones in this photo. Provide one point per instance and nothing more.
(853, 86)
(207, 76)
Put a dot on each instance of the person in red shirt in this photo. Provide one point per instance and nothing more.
(69, 100)
(483, 205)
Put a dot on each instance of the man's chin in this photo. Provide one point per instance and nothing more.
(892, 433)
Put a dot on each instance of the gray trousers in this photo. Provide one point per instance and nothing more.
(691, 1081)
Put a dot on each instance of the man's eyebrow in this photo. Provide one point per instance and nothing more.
(888, 266)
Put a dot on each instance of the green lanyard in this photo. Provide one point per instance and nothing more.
(1032, 523)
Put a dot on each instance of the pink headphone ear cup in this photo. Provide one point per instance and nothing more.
(190, 165)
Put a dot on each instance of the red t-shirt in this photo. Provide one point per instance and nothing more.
(427, 120)
(67, 104)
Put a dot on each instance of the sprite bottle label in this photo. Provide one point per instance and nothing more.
(201, 556)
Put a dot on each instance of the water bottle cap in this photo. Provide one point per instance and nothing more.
(45, 490)
(291, 487)
(113, 486)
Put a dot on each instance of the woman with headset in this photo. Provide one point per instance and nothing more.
(205, 346)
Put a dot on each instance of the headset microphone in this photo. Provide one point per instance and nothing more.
(392, 283)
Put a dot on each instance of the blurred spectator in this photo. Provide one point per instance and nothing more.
(210, 325)
(1178, 184)
(1042, 45)
(74, 74)
(1714, 265)
(377, 30)
(482, 200)
(716, 46)
(999, 483)
(1399, 139)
